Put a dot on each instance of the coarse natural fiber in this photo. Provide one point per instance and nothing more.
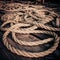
(29, 19)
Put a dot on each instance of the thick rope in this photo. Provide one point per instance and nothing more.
(29, 54)
(32, 17)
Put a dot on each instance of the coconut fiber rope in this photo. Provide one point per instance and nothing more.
(29, 19)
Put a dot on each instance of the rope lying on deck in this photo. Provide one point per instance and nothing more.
(31, 17)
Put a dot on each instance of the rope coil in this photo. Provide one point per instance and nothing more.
(27, 20)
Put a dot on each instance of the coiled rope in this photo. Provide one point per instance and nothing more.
(32, 18)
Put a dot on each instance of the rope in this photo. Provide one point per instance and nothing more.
(29, 54)
(26, 19)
